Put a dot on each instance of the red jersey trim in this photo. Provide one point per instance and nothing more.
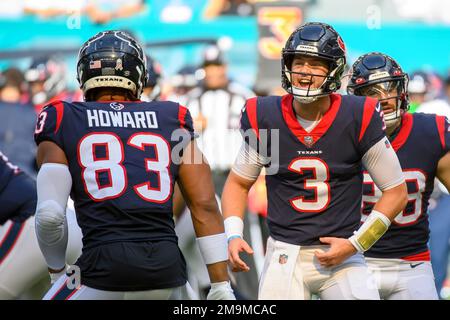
(405, 130)
(323, 126)
(14, 233)
(62, 96)
(182, 116)
(423, 256)
(120, 101)
(7, 234)
(440, 121)
(369, 108)
(252, 114)
(59, 106)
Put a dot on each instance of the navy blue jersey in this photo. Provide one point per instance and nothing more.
(318, 187)
(421, 142)
(7, 171)
(121, 162)
(17, 192)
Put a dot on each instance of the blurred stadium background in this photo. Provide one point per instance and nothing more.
(414, 32)
(250, 35)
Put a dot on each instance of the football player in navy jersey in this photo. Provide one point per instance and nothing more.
(400, 260)
(314, 178)
(21, 262)
(119, 159)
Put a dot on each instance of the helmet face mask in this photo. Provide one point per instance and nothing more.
(308, 93)
(389, 94)
(112, 59)
(379, 76)
(319, 41)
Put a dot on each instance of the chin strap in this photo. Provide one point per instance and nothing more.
(305, 100)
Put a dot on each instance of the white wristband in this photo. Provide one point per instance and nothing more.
(372, 229)
(55, 276)
(214, 248)
(234, 227)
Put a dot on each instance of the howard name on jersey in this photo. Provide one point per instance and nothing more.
(318, 187)
(420, 143)
(120, 159)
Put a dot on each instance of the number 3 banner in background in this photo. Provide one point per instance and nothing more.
(276, 21)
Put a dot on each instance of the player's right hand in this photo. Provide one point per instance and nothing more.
(235, 246)
(56, 274)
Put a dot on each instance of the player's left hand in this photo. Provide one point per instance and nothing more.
(340, 249)
(221, 291)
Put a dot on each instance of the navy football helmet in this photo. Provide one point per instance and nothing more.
(317, 40)
(187, 78)
(154, 74)
(376, 74)
(50, 72)
(419, 82)
(112, 59)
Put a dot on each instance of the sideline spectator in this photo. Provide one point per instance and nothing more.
(417, 89)
(49, 8)
(103, 11)
(17, 121)
(439, 216)
(215, 8)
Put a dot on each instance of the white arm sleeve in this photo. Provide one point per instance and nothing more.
(248, 163)
(382, 163)
(53, 188)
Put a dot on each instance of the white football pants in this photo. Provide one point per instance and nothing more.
(64, 289)
(292, 272)
(21, 262)
(398, 279)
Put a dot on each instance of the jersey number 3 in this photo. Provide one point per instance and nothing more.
(318, 184)
(112, 166)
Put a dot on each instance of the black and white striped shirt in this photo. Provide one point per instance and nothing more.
(220, 140)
